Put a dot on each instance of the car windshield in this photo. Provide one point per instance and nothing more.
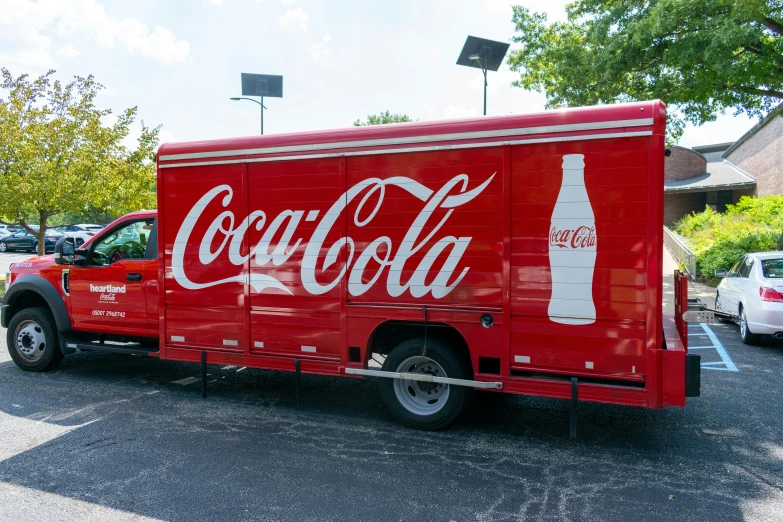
(93, 227)
(772, 268)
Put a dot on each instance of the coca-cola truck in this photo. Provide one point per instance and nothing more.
(517, 254)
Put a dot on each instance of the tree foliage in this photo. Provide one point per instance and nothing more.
(701, 57)
(59, 155)
(720, 239)
(382, 118)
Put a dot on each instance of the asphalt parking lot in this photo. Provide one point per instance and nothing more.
(6, 258)
(117, 437)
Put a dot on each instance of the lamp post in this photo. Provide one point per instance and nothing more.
(261, 103)
(477, 58)
(260, 85)
(483, 54)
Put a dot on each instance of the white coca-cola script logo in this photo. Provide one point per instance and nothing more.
(230, 239)
(580, 237)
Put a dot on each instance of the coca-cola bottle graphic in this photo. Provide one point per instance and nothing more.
(572, 248)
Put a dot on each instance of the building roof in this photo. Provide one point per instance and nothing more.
(720, 175)
(777, 111)
(715, 147)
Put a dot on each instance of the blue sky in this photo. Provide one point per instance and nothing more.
(180, 61)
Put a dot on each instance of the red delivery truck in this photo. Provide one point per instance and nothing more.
(518, 254)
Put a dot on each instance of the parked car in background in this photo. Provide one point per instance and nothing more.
(24, 240)
(753, 291)
(80, 233)
(7, 230)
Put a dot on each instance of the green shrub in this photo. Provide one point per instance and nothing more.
(719, 240)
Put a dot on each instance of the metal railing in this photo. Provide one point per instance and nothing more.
(681, 253)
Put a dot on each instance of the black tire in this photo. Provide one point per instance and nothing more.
(450, 364)
(36, 321)
(745, 334)
(35, 248)
(3, 246)
(78, 242)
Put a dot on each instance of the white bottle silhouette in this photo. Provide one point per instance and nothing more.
(572, 248)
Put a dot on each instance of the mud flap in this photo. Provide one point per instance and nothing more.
(692, 375)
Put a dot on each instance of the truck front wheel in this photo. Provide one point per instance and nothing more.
(33, 341)
(419, 404)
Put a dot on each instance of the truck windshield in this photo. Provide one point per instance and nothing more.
(772, 268)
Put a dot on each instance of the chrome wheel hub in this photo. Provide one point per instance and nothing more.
(418, 397)
(30, 341)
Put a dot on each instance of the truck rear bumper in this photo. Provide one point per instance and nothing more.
(680, 370)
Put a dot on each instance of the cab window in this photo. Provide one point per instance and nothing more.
(128, 242)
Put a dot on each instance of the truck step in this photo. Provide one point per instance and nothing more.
(130, 349)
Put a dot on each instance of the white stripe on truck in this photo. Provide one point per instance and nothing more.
(394, 151)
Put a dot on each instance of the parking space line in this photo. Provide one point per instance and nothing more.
(728, 364)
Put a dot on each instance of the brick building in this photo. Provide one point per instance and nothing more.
(719, 174)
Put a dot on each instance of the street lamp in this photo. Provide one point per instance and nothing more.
(261, 103)
(483, 54)
(260, 85)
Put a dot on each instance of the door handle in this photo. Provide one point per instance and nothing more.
(133, 278)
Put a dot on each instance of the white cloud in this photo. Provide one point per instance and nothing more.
(498, 7)
(160, 44)
(68, 51)
(495, 80)
(458, 111)
(294, 18)
(26, 28)
(320, 50)
(215, 2)
(288, 2)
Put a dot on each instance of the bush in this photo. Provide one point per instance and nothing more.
(719, 240)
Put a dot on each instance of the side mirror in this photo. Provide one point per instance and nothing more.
(63, 251)
(80, 257)
(721, 273)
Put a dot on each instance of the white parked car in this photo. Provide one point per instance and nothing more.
(7, 230)
(80, 233)
(753, 291)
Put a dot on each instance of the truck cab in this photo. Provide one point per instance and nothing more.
(107, 289)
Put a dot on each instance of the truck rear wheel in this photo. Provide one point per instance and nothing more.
(425, 405)
(33, 341)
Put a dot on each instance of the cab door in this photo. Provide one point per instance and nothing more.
(729, 291)
(108, 293)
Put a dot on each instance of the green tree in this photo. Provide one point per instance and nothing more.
(382, 118)
(701, 57)
(58, 154)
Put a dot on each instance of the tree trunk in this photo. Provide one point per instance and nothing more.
(42, 233)
(780, 242)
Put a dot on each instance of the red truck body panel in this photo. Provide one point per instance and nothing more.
(306, 247)
(302, 245)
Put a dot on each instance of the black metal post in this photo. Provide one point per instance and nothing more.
(574, 400)
(298, 379)
(262, 115)
(203, 374)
